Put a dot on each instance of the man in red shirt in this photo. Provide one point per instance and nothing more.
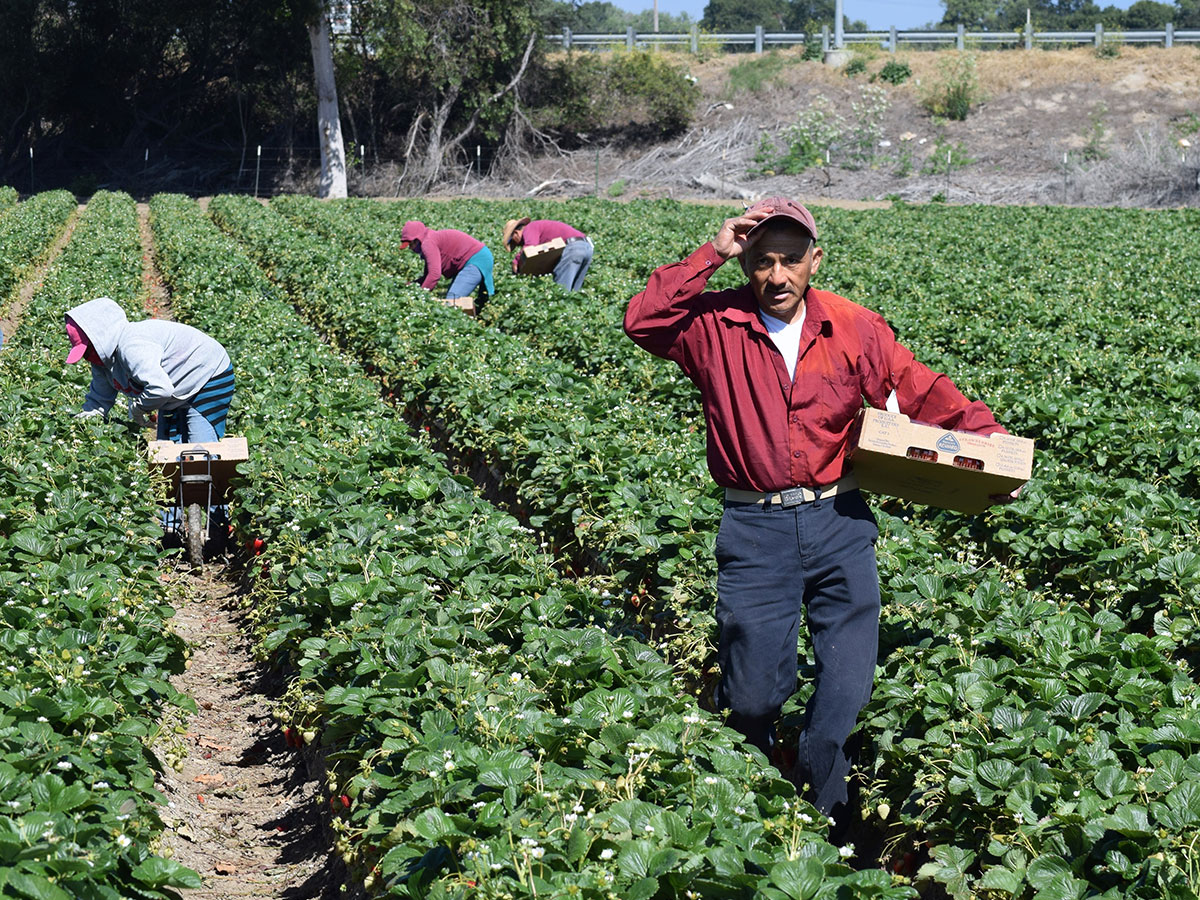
(572, 267)
(783, 370)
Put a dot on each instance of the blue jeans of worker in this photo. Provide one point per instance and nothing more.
(477, 271)
(776, 566)
(201, 421)
(573, 265)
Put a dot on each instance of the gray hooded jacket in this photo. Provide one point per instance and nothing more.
(157, 364)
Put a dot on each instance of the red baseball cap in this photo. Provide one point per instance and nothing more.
(79, 342)
(783, 208)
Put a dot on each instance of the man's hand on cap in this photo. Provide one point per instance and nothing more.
(731, 240)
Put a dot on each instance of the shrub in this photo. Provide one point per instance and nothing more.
(893, 72)
(753, 74)
(820, 131)
(946, 158)
(856, 66)
(956, 89)
(614, 92)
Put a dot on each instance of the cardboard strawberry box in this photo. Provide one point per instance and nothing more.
(539, 259)
(466, 304)
(955, 470)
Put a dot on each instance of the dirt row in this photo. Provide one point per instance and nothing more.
(243, 810)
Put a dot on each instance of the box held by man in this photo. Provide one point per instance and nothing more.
(540, 259)
(954, 470)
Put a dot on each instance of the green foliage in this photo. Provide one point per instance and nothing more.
(617, 188)
(894, 72)
(642, 93)
(743, 15)
(26, 234)
(946, 157)
(956, 89)
(753, 74)
(1110, 45)
(1094, 149)
(856, 66)
(491, 714)
(604, 17)
(822, 135)
(85, 696)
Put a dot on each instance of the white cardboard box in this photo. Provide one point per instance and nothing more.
(541, 258)
(955, 470)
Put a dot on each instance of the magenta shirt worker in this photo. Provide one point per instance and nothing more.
(462, 258)
(576, 259)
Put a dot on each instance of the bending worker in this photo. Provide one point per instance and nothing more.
(572, 266)
(783, 369)
(165, 367)
(466, 261)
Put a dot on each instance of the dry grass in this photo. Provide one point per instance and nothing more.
(1176, 70)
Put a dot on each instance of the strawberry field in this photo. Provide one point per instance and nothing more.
(485, 564)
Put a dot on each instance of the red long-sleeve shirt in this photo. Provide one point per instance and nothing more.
(445, 253)
(767, 432)
(541, 230)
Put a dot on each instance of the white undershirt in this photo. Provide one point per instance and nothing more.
(786, 336)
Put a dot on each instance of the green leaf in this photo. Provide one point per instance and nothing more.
(1130, 820)
(578, 844)
(505, 768)
(418, 489)
(643, 889)
(433, 825)
(167, 873)
(999, 878)
(36, 887)
(798, 878)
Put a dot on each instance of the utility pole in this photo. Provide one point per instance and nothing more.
(837, 25)
(656, 16)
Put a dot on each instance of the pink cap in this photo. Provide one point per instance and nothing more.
(785, 208)
(79, 342)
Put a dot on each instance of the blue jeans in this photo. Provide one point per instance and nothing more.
(478, 270)
(196, 428)
(573, 265)
(775, 566)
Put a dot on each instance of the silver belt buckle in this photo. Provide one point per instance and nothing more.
(791, 497)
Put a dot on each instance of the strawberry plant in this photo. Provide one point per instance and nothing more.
(84, 688)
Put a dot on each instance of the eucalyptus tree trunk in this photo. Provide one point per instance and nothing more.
(329, 123)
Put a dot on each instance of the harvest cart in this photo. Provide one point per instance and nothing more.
(199, 474)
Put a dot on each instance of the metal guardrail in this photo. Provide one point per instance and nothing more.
(890, 39)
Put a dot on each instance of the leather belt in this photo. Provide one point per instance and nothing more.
(792, 496)
(572, 240)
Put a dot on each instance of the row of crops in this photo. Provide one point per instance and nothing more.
(84, 688)
(509, 695)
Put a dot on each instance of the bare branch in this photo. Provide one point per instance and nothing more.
(470, 126)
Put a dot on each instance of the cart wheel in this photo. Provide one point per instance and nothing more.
(194, 533)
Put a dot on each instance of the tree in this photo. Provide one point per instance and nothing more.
(1148, 14)
(329, 121)
(456, 66)
(743, 15)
